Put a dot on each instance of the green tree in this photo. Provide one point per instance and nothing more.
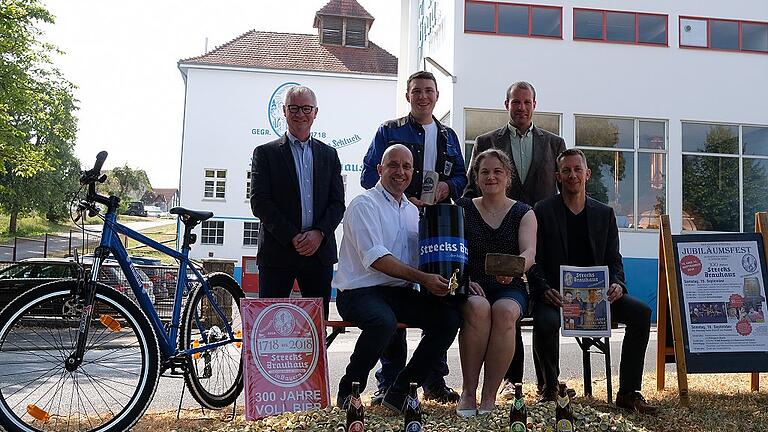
(127, 183)
(37, 122)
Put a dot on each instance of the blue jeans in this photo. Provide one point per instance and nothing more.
(376, 311)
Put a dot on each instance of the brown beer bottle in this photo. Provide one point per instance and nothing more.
(355, 414)
(563, 411)
(412, 411)
(518, 414)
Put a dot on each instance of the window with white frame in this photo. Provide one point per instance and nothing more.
(212, 233)
(479, 121)
(628, 159)
(248, 184)
(215, 183)
(725, 173)
(251, 233)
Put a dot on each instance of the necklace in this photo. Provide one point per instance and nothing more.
(501, 210)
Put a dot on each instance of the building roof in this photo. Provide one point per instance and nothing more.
(348, 8)
(166, 193)
(270, 50)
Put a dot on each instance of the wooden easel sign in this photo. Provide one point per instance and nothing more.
(716, 285)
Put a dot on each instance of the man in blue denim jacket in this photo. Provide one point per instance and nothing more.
(435, 147)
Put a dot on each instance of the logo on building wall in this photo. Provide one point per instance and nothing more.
(275, 108)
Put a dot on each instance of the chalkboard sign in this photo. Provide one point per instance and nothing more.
(721, 280)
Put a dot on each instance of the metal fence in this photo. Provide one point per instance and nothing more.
(159, 281)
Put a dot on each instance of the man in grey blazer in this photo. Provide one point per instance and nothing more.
(533, 152)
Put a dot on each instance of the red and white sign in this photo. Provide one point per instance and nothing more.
(286, 368)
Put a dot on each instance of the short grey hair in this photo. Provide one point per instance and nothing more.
(525, 85)
(300, 90)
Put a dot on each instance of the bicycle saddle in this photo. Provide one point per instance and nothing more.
(191, 216)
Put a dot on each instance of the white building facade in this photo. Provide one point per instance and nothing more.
(669, 100)
(233, 103)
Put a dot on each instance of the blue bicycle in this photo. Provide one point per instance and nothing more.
(76, 355)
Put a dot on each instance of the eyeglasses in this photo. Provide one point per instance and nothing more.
(306, 109)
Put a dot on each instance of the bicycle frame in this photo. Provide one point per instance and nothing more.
(167, 339)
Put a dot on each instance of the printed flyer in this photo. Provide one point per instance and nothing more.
(724, 296)
(585, 311)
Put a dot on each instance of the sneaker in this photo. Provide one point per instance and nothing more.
(548, 395)
(394, 400)
(443, 395)
(635, 402)
(507, 391)
(378, 396)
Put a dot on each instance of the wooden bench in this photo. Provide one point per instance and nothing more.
(602, 346)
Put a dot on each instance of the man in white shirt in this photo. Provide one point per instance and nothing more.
(375, 281)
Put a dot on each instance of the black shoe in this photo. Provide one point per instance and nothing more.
(378, 396)
(442, 394)
(548, 395)
(394, 400)
(635, 402)
(343, 401)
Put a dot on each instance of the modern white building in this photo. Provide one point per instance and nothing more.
(669, 100)
(233, 103)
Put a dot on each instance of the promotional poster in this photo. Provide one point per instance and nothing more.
(285, 358)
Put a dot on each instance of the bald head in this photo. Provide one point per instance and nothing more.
(396, 169)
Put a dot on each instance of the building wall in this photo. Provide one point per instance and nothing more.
(227, 116)
(666, 83)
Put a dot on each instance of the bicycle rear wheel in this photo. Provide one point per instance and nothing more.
(110, 389)
(215, 377)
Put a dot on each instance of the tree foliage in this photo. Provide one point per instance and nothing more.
(127, 183)
(37, 122)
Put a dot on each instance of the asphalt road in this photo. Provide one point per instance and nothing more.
(62, 242)
(170, 389)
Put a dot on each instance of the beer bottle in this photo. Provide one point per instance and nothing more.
(518, 414)
(412, 412)
(355, 414)
(563, 411)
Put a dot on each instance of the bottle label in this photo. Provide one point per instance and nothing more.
(412, 402)
(518, 427)
(413, 426)
(563, 401)
(564, 426)
(356, 426)
(355, 402)
(519, 403)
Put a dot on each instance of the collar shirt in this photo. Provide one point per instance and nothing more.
(430, 147)
(375, 225)
(521, 147)
(302, 161)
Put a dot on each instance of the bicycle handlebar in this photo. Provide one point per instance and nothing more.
(91, 177)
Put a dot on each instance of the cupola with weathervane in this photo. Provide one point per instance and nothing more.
(343, 23)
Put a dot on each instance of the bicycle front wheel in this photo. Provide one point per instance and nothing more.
(110, 389)
(215, 377)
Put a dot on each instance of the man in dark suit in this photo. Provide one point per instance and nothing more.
(298, 194)
(533, 152)
(574, 229)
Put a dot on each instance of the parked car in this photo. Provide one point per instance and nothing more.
(20, 277)
(136, 208)
(153, 211)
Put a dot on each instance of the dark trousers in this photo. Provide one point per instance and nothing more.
(376, 311)
(627, 310)
(393, 361)
(313, 277)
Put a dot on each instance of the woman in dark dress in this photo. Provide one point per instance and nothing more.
(493, 223)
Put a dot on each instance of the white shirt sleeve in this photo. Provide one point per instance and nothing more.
(365, 232)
